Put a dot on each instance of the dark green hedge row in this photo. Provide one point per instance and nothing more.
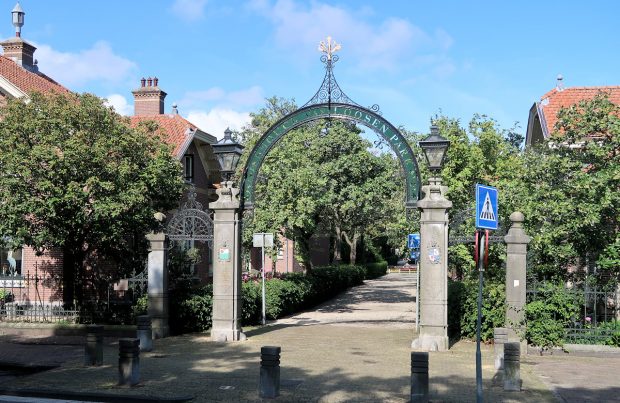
(377, 269)
(191, 308)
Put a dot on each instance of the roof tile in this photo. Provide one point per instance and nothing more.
(27, 81)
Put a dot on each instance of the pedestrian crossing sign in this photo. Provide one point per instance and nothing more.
(486, 207)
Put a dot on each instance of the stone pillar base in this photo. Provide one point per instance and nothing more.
(431, 343)
(225, 335)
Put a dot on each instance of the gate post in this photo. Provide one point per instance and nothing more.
(516, 266)
(158, 284)
(433, 335)
(226, 265)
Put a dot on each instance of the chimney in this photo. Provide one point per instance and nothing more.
(148, 99)
(16, 49)
(560, 83)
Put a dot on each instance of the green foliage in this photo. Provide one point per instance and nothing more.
(569, 191)
(140, 306)
(377, 269)
(493, 308)
(456, 291)
(75, 175)
(554, 309)
(6, 295)
(191, 309)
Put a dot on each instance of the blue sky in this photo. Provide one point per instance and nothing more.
(219, 59)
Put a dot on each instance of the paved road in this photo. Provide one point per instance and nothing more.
(353, 348)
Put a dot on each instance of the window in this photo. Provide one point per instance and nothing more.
(188, 167)
(10, 262)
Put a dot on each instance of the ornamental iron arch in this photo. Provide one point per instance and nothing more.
(190, 222)
(331, 102)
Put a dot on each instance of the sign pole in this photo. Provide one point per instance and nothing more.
(480, 260)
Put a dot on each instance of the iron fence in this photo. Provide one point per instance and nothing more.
(598, 318)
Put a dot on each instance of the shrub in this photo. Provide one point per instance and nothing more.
(553, 310)
(456, 290)
(191, 309)
(493, 309)
(377, 269)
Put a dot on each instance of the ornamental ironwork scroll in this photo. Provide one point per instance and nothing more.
(331, 102)
(190, 222)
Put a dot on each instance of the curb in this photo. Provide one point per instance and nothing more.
(94, 397)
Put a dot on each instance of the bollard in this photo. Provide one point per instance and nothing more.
(93, 350)
(419, 377)
(128, 361)
(269, 372)
(512, 366)
(500, 336)
(145, 333)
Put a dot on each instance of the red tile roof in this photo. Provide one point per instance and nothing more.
(178, 130)
(27, 81)
(554, 100)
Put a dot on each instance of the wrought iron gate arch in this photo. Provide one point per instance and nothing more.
(191, 222)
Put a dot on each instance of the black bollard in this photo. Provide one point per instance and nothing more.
(419, 377)
(500, 336)
(269, 372)
(512, 366)
(93, 349)
(145, 332)
(128, 361)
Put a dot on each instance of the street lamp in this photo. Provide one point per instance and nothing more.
(435, 148)
(228, 153)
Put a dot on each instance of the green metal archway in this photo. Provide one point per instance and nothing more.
(344, 111)
(331, 102)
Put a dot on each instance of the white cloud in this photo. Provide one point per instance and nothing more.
(98, 63)
(242, 98)
(390, 44)
(217, 120)
(190, 10)
(120, 104)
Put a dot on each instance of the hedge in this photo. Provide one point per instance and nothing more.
(376, 269)
(191, 308)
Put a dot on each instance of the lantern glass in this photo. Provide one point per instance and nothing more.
(435, 148)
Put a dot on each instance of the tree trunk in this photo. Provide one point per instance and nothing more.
(352, 242)
(72, 276)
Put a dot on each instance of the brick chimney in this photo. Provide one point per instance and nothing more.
(17, 49)
(148, 99)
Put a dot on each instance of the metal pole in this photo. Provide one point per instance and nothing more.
(263, 270)
(481, 248)
(417, 295)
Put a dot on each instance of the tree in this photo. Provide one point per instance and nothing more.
(569, 191)
(74, 175)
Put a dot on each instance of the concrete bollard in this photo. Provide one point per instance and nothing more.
(145, 332)
(93, 349)
(512, 366)
(128, 361)
(500, 336)
(269, 372)
(419, 377)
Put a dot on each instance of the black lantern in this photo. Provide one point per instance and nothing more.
(228, 152)
(435, 149)
(18, 19)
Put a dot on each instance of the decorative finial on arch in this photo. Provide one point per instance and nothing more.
(329, 47)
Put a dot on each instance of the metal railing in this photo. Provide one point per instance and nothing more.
(598, 319)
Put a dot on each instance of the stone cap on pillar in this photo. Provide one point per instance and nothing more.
(516, 233)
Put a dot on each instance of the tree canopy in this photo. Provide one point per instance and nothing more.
(74, 175)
